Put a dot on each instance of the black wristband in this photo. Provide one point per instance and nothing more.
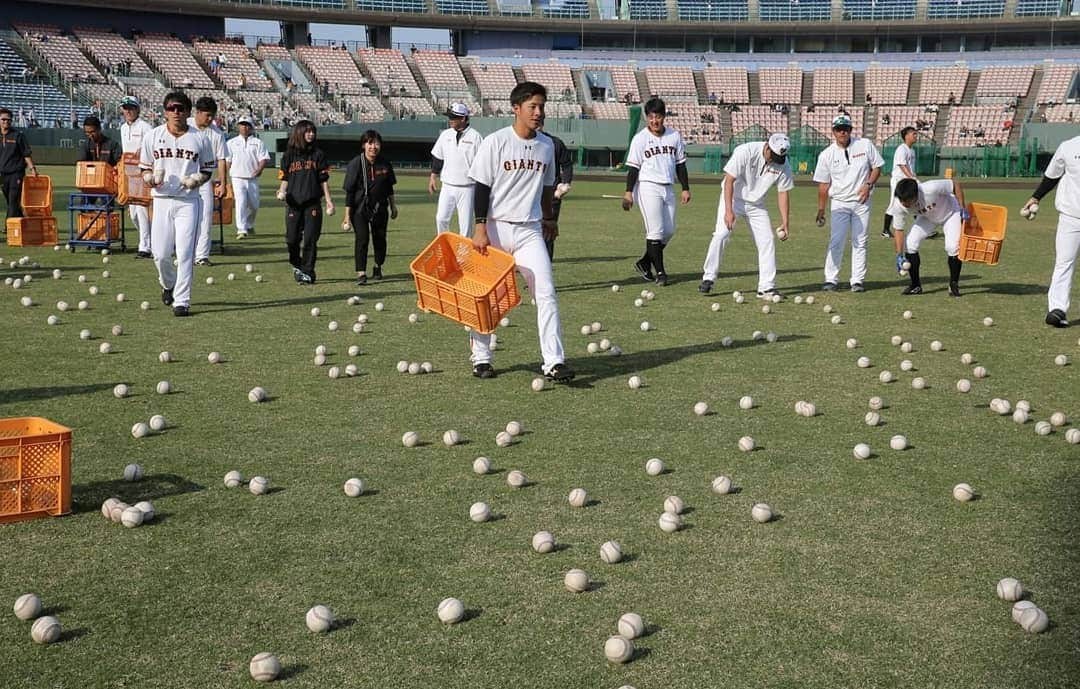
(480, 221)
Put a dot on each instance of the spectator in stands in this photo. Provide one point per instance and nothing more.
(132, 132)
(721, 100)
(712, 99)
(214, 64)
(369, 203)
(1007, 125)
(952, 98)
(885, 119)
(15, 162)
(305, 182)
(97, 147)
(869, 99)
(979, 132)
(247, 159)
(267, 123)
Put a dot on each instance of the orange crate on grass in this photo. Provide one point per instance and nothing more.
(95, 177)
(983, 233)
(35, 469)
(31, 231)
(92, 226)
(36, 197)
(455, 280)
(130, 187)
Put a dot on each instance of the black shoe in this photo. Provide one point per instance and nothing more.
(484, 371)
(377, 273)
(769, 294)
(560, 373)
(886, 234)
(644, 270)
(954, 289)
(166, 297)
(828, 287)
(143, 254)
(361, 280)
(857, 287)
(705, 287)
(203, 262)
(296, 273)
(912, 289)
(305, 278)
(181, 311)
(661, 279)
(1057, 319)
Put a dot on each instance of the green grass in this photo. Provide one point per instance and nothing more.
(872, 576)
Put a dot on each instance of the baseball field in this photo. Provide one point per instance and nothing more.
(870, 573)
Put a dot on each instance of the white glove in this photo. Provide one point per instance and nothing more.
(280, 195)
(190, 182)
(562, 190)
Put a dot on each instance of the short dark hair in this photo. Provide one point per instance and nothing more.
(178, 97)
(296, 136)
(370, 135)
(907, 130)
(907, 189)
(92, 121)
(655, 105)
(206, 104)
(5, 111)
(526, 90)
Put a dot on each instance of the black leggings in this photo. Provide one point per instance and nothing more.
(556, 208)
(370, 227)
(303, 225)
(12, 185)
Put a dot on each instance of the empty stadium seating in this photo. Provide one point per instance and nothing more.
(938, 83)
(413, 6)
(12, 64)
(789, 11)
(465, 7)
(406, 108)
(61, 53)
(554, 77)
(172, 59)
(965, 9)
(364, 108)
(864, 10)
(1038, 8)
(648, 9)
(697, 123)
(514, 7)
(493, 79)
(966, 120)
(900, 116)
(441, 71)
(109, 48)
(623, 80)
(337, 68)
(821, 120)
(887, 85)
(1062, 112)
(832, 86)
(781, 85)
(728, 84)
(673, 83)
(564, 9)
(714, 10)
(1056, 82)
(41, 102)
(762, 115)
(388, 70)
(1005, 80)
(610, 111)
(239, 69)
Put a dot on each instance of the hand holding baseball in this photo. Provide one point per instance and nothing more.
(346, 226)
(820, 218)
(1030, 209)
(190, 182)
(330, 207)
(280, 195)
(782, 233)
(627, 201)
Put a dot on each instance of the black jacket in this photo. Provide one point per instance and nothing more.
(368, 186)
(305, 172)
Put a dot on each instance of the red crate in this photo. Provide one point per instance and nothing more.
(35, 469)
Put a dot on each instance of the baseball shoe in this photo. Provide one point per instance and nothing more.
(769, 294)
(483, 371)
(857, 287)
(899, 264)
(644, 270)
(143, 254)
(560, 373)
(305, 278)
(661, 279)
(886, 234)
(296, 273)
(828, 287)
(954, 289)
(361, 280)
(166, 297)
(181, 311)
(912, 289)
(705, 287)
(241, 235)
(377, 273)
(1057, 319)
(932, 234)
(203, 262)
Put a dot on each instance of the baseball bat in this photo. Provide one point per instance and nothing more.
(609, 196)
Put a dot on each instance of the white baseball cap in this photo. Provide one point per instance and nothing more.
(244, 119)
(779, 144)
(457, 110)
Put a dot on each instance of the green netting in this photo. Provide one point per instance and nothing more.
(807, 144)
(713, 163)
(995, 161)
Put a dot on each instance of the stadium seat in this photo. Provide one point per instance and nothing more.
(389, 71)
(939, 82)
(728, 84)
(887, 85)
(1005, 81)
(671, 83)
(174, 61)
(1056, 82)
(109, 48)
(970, 118)
(780, 85)
(761, 115)
(833, 86)
(338, 69)
(239, 70)
(441, 71)
(623, 80)
(900, 116)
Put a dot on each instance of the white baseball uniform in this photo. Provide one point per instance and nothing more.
(457, 151)
(753, 179)
(656, 157)
(1065, 165)
(846, 170)
(936, 205)
(245, 157)
(517, 170)
(176, 208)
(903, 155)
(131, 139)
(216, 137)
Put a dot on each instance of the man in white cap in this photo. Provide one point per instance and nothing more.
(248, 156)
(451, 157)
(753, 168)
(846, 172)
(132, 132)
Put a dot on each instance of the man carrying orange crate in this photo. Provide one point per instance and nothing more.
(514, 171)
(15, 161)
(935, 202)
(98, 148)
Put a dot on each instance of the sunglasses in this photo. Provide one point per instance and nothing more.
(175, 107)
(5, 119)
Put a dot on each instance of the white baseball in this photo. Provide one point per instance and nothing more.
(209, 281)
(906, 347)
(827, 308)
(861, 451)
(131, 517)
(837, 319)
(810, 299)
(214, 357)
(516, 479)
(876, 403)
(908, 315)
(654, 467)
(233, 479)
(1008, 589)
(872, 418)
(615, 288)
(414, 368)
(481, 465)
(898, 442)
(963, 385)
(1043, 428)
(611, 552)
(147, 509)
(576, 581)
(164, 357)
(543, 542)
(538, 384)
(1072, 436)
(964, 493)
(674, 504)
(618, 649)
(988, 321)
(52, 320)
(1019, 607)
(264, 667)
(451, 438)
(1020, 416)
(746, 443)
(863, 362)
(1058, 419)
(379, 306)
(45, 630)
(413, 318)
(936, 346)
(319, 359)
(410, 439)
(578, 497)
(257, 394)
(727, 341)
(354, 350)
(637, 302)
(1034, 620)
(514, 428)
(670, 522)
(701, 408)
(798, 299)
(966, 359)
(645, 326)
(852, 343)
(84, 334)
(592, 348)
(319, 619)
(332, 326)
(158, 422)
(605, 345)
(258, 485)
(93, 293)
(248, 268)
(715, 306)
(918, 382)
(906, 365)
(27, 606)
(316, 311)
(450, 611)
(761, 513)
(120, 391)
(354, 487)
(885, 376)
(634, 382)
(503, 439)
(145, 306)
(1061, 360)
(979, 372)
(721, 485)
(140, 430)
(746, 402)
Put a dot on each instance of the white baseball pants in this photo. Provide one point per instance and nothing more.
(657, 205)
(526, 243)
(460, 198)
(923, 228)
(854, 218)
(140, 215)
(246, 191)
(206, 221)
(1066, 246)
(757, 217)
(175, 228)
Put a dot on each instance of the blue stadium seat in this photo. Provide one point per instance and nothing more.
(968, 9)
(1039, 8)
(567, 9)
(714, 10)
(413, 6)
(465, 7)
(11, 61)
(648, 9)
(789, 11)
(45, 101)
(314, 4)
(863, 10)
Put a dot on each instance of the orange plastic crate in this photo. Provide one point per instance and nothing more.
(31, 231)
(455, 280)
(36, 196)
(95, 177)
(983, 233)
(130, 187)
(92, 226)
(35, 469)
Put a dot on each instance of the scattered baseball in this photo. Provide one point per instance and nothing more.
(1008, 588)
(131, 517)
(876, 403)
(120, 391)
(538, 384)
(332, 326)
(727, 341)
(674, 504)
(379, 306)
(46, 630)
(147, 509)
(1020, 416)
(257, 394)
(827, 308)
(637, 302)
(414, 368)
(654, 467)
(1058, 419)
(354, 350)
(906, 347)
(837, 319)
(618, 649)
(209, 280)
(979, 372)
(611, 552)
(264, 667)
(413, 318)
(645, 326)
(852, 343)
(988, 321)
(634, 382)
(248, 268)
(27, 606)
(966, 359)
(214, 357)
(576, 581)
(451, 438)
(1019, 607)
(514, 428)
(516, 479)
(721, 485)
(918, 382)
(165, 357)
(258, 485)
(410, 439)
(885, 376)
(319, 619)
(615, 288)
(481, 465)
(746, 443)
(316, 311)
(52, 320)
(592, 348)
(1024, 404)
(810, 299)
(503, 439)
(605, 344)
(140, 430)
(670, 522)
(358, 328)
(908, 315)
(158, 422)
(872, 418)
(1034, 620)
(354, 487)
(936, 346)
(701, 408)
(798, 299)
(963, 385)
(84, 334)
(450, 611)
(233, 479)
(578, 497)
(761, 513)
(861, 451)
(105, 348)
(746, 402)
(898, 443)
(906, 365)
(1043, 428)
(1072, 436)
(543, 542)
(1061, 360)
(93, 293)
(964, 493)
(715, 306)
(145, 306)
(863, 362)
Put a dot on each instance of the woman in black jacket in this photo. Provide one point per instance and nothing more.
(305, 177)
(369, 200)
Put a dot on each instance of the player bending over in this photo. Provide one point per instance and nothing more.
(936, 202)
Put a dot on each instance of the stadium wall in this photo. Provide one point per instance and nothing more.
(123, 21)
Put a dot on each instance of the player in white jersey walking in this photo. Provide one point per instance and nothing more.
(451, 157)
(1064, 168)
(176, 161)
(657, 157)
(753, 168)
(203, 123)
(247, 159)
(903, 167)
(846, 172)
(935, 202)
(514, 172)
(132, 132)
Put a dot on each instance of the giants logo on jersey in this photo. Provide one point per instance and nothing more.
(659, 150)
(527, 164)
(181, 153)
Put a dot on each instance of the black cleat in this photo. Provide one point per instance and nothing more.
(203, 262)
(661, 279)
(305, 278)
(857, 287)
(143, 254)
(361, 280)
(912, 289)
(560, 373)
(377, 273)
(1057, 319)
(828, 287)
(644, 270)
(166, 297)
(886, 234)
(954, 289)
(705, 287)
(484, 371)
(181, 311)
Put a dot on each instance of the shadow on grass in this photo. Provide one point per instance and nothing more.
(24, 395)
(472, 614)
(290, 671)
(344, 623)
(72, 634)
(87, 497)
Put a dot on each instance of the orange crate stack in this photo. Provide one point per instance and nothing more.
(455, 280)
(35, 469)
(95, 177)
(36, 197)
(983, 233)
(92, 226)
(130, 187)
(31, 231)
